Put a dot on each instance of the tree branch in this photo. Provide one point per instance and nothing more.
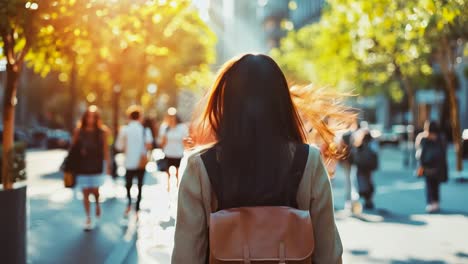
(22, 53)
(8, 46)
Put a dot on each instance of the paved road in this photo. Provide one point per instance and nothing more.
(57, 216)
(397, 232)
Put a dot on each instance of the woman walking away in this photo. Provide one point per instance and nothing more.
(432, 155)
(258, 177)
(91, 138)
(171, 139)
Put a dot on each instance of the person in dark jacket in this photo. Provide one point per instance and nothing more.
(364, 156)
(432, 156)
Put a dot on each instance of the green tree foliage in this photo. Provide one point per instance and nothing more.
(20, 22)
(98, 45)
(446, 31)
(384, 46)
(357, 45)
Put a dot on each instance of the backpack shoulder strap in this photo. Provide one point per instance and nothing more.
(297, 171)
(210, 161)
(300, 159)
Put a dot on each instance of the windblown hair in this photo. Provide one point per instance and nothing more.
(253, 117)
(319, 112)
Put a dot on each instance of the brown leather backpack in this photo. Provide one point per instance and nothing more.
(261, 235)
(266, 234)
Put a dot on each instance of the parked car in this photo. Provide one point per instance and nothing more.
(39, 137)
(58, 138)
(391, 136)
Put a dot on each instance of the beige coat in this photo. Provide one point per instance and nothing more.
(194, 208)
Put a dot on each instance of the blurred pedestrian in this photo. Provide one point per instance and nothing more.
(346, 163)
(432, 156)
(259, 158)
(150, 124)
(135, 141)
(171, 140)
(365, 156)
(91, 138)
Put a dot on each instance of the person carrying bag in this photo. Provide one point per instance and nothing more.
(70, 166)
(432, 156)
(258, 193)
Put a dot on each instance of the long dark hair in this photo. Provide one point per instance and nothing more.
(254, 118)
(251, 115)
(97, 118)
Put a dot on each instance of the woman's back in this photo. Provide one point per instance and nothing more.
(197, 199)
(251, 115)
(287, 184)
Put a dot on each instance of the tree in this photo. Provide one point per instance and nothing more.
(447, 32)
(113, 51)
(96, 46)
(384, 46)
(20, 21)
(360, 46)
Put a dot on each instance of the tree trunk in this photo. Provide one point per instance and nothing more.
(446, 61)
(406, 85)
(141, 89)
(412, 102)
(455, 123)
(9, 102)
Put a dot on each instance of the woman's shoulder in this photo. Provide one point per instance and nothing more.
(314, 152)
(196, 153)
(314, 163)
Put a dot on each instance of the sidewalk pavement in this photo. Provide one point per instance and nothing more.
(397, 232)
(56, 216)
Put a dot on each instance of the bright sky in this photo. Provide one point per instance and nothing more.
(203, 6)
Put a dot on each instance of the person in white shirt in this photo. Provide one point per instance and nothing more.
(135, 141)
(171, 139)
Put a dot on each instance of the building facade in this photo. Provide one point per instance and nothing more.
(257, 25)
(237, 27)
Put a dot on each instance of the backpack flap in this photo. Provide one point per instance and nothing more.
(261, 234)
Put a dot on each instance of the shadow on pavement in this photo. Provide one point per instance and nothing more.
(462, 254)
(362, 256)
(417, 261)
(56, 233)
(166, 224)
(451, 212)
(359, 252)
(385, 216)
(461, 180)
(53, 176)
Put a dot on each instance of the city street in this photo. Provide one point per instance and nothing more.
(397, 232)
(91, 76)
